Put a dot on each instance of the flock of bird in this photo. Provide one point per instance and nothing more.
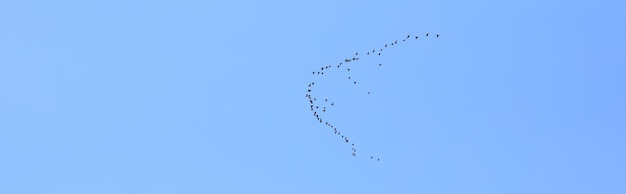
(319, 107)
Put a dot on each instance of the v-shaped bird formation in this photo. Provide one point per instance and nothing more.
(326, 104)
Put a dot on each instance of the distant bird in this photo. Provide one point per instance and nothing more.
(373, 50)
(357, 53)
(348, 69)
(314, 73)
(408, 36)
(380, 64)
(332, 104)
(437, 35)
(378, 54)
(355, 82)
(378, 159)
(426, 34)
(371, 157)
(416, 37)
(353, 154)
(326, 100)
(385, 45)
(368, 53)
(396, 42)
(368, 92)
(348, 77)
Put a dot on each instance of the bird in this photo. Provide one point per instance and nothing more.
(437, 35)
(416, 37)
(368, 92)
(396, 42)
(378, 159)
(407, 36)
(326, 100)
(426, 34)
(348, 77)
(385, 45)
(332, 104)
(368, 53)
(354, 82)
(371, 157)
(348, 69)
(380, 64)
(378, 54)
(357, 53)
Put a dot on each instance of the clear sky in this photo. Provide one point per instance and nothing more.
(209, 97)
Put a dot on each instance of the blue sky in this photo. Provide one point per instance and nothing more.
(209, 97)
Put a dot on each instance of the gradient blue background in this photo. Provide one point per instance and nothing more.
(208, 97)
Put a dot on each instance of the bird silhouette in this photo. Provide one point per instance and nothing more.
(309, 95)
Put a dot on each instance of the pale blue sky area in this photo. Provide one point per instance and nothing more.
(209, 97)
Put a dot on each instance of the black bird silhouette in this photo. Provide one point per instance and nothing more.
(357, 53)
(371, 157)
(368, 53)
(348, 77)
(326, 100)
(378, 159)
(355, 82)
(437, 35)
(408, 36)
(379, 64)
(368, 92)
(396, 42)
(385, 45)
(416, 37)
(426, 34)
(332, 104)
(348, 69)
